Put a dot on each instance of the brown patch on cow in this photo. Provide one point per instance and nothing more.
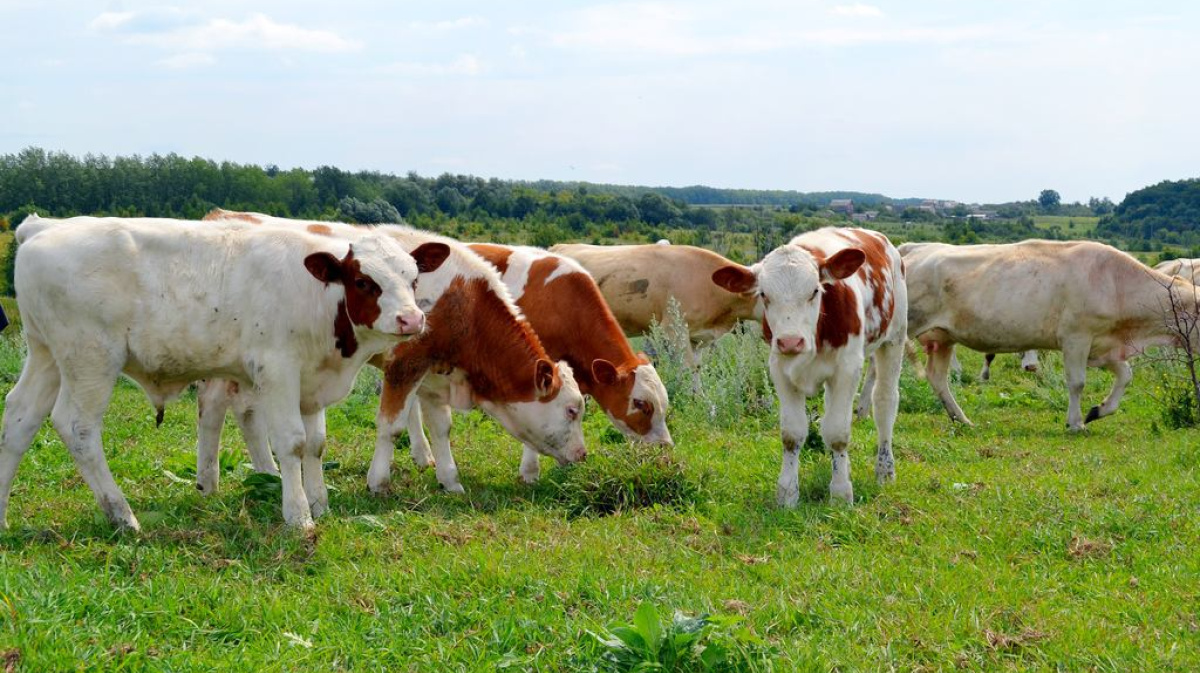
(221, 214)
(839, 316)
(360, 305)
(472, 329)
(319, 229)
(876, 275)
(575, 324)
(638, 286)
(496, 255)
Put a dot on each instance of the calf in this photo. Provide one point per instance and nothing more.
(1181, 268)
(1097, 305)
(290, 315)
(474, 330)
(566, 309)
(831, 299)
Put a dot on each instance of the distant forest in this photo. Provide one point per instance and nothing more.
(740, 222)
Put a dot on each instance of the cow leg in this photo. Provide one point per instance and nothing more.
(1122, 375)
(211, 404)
(985, 374)
(793, 426)
(25, 407)
(438, 415)
(312, 468)
(937, 361)
(1029, 361)
(835, 431)
(279, 403)
(1075, 358)
(396, 406)
(955, 365)
(531, 465)
(254, 433)
(889, 359)
(78, 416)
(863, 409)
(418, 443)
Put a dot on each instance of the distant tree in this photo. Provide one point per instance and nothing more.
(1049, 200)
(1102, 206)
(377, 211)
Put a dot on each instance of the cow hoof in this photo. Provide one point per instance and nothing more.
(1093, 414)
(841, 494)
(529, 479)
(885, 476)
(455, 488)
(787, 497)
(1031, 368)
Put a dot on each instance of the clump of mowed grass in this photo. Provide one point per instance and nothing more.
(624, 477)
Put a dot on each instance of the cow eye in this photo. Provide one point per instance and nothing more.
(572, 413)
(644, 406)
(361, 284)
(814, 294)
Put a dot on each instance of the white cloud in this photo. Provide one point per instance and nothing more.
(857, 10)
(173, 29)
(445, 26)
(465, 64)
(840, 37)
(191, 59)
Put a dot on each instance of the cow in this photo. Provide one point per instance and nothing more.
(475, 331)
(290, 315)
(1095, 304)
(1182, 268)
(565, 307)
(638, 282)
(832, 298)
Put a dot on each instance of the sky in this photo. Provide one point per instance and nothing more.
(978, 101)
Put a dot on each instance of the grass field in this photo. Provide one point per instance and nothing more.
(1008, 546)
(1071, 227)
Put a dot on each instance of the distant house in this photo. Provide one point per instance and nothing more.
(865, 216)
(842, 206)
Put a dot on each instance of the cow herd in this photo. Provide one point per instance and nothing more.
(273, 318)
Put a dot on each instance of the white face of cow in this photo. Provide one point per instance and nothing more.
(378, 277)
(552, 425)
(790, 284)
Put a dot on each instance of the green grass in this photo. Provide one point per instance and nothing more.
(1008, 546)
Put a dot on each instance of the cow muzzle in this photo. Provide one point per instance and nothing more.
(410, 323)
(791, 345)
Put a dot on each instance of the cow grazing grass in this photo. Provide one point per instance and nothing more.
(1008, 546)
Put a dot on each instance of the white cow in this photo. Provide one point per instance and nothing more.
(1096, 304)
(290, 315)
(832, 298)
(1182, 268)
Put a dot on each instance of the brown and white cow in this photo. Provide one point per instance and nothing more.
(638, 281)
(1096, 304)
(831, 298)
(474, 330)
(566, 309)
(292, 315)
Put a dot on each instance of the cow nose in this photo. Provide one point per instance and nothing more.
(411, 323)
(580, 454)
(790, 345)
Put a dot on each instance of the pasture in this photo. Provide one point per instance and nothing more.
(1011, 545)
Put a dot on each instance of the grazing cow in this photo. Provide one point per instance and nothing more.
(288, 314)
(1096, 304)
(638, 281)
(831, 298)
(475, 331)
(1181, 268)
(566, 309)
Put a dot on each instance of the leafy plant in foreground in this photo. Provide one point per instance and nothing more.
(703, 643)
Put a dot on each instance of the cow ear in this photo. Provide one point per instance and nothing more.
(842, 264)
(324, 267)
(736, 279)
(430, 256)
(545, 378)
(605, 372)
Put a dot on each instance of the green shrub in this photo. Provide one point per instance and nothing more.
(703, 643)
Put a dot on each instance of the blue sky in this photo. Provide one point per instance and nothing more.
(981, 100)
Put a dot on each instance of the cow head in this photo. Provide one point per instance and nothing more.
(551, 423)
(790, 282)
(634, 399)
(378, 277)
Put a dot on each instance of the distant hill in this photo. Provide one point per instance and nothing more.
(700, 195)
(1168, 212)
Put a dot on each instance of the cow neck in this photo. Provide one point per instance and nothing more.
(592, 334)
